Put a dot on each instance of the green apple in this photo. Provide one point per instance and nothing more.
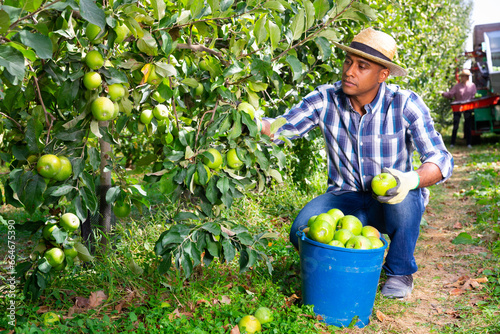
(248, 108)
(264, 315)
(326, 217)
(48, 165)
(55, 256)
(196, 177)
(146, 116)
(65, 171)
(156, 95)
(351, 223)
(358, 242)
(370, 231)
(94, 60)
(336, 243)
(233, 161)
(199, 89)
(160, 111)
(92, 31)
(217, 159)
(321, 231)
(116, 91)
(103, 109)
(310, 221)
(92, 80)
(343, 235)
(153, 77)
(70, 252)
(376, 242)
(383, 182)
(48, 230)
(336, 214)
(69, 222)
(50, 318)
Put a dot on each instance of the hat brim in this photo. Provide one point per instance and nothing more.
(395, 70)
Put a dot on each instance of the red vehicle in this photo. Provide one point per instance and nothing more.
(486, 75)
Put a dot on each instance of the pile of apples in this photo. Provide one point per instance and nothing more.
(336, 229)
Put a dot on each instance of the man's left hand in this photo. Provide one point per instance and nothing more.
(405, 182)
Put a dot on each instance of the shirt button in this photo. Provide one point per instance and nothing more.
(361, 144)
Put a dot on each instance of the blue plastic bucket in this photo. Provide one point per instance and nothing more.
(341, 283)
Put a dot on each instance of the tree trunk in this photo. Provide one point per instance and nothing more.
(104, 207)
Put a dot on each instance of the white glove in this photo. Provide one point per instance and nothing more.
(406, 182)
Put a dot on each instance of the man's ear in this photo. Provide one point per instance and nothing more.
(383, 75)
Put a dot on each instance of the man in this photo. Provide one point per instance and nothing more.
(462, 91)
(370, 127)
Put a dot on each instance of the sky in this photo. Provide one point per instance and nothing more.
(484, 12)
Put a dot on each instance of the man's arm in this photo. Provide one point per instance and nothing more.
(429, 174)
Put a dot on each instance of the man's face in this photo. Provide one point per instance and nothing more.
(361, 77)
(464, 78)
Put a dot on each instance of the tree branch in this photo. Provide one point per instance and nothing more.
(13, 120)
(46, 113)
(32, 14)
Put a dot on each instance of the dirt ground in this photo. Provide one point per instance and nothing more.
(444, 276)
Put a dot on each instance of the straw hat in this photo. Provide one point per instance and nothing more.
(465, 72)
(376, 46)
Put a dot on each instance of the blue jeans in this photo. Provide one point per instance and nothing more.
(401, 222)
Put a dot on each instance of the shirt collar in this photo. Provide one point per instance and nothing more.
(377, 101)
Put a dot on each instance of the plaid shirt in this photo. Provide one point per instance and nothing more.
(358, 147)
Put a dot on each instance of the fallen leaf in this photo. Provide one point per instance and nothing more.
(439, 266)
(235, 330)
(42, 309)
(202, 301)
(456, 292)
(457, 225)
(482, 280)
(290, 300)
(97, 298)
(82, 302)
(381, 316)
(225, 300)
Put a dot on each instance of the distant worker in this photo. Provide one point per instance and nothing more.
(463, 91)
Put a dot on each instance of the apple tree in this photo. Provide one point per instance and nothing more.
(142, 95)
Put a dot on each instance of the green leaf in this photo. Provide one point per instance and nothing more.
(229, 250)
(33, 133)
(4, 21)
(310, 14)
(463, 238)
(165, 263)
(67, 93)
(83, 252)
(181, 216)
(147, 44)
(158, 9)
(274, 34)
(30, 5)
(274, 5)
(296, 66)
(44, 265)
(324, 47)
(38, 42)
(112, 194)
(259, 30)
(93, 14)
(191, 82)
(321, 7)
(186, 263)
(13, 61)
(297, 26)
(212, 227)
(32, 192)
(62, 190)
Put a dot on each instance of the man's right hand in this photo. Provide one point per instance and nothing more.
(266, 128)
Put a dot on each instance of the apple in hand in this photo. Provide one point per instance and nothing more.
(358, 242)
(383, 182)
(370, 231)
(351, 223)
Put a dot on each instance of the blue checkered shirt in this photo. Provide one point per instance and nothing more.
(395, 124)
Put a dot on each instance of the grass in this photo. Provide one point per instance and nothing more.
(216, 297)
